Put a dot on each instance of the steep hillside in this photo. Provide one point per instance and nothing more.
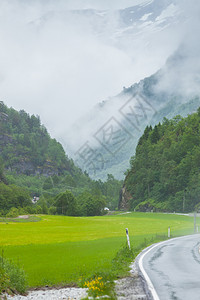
(165, 171)
(27, 148)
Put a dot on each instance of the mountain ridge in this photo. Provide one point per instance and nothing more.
(141, 104)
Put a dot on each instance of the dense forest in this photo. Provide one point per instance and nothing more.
(26, 147)
(32, 164)
(165, 172)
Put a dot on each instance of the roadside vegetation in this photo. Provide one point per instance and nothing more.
(12, 277)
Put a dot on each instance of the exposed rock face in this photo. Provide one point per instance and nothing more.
(23, 165)
(124, 199)
(4, 140)
(28, 168)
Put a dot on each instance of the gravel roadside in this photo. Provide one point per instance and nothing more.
(129, 288)
(53, 294)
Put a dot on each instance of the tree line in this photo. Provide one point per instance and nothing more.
(64, 194)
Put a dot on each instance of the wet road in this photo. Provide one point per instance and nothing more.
(173, 267)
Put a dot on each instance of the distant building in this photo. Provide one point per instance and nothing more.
(35, 199)
(106, 208)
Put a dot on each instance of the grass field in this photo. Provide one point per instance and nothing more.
(60, 249)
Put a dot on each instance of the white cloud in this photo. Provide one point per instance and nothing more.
(57, 68)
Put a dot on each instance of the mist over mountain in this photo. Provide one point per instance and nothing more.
(60, 58)
(112, 128)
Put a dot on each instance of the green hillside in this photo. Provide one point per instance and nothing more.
(26, 147)
(165, 172)
(32, 164)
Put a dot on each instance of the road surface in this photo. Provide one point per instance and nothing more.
(172, 269)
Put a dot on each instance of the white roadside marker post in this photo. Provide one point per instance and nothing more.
(128, 241)
(169, 232)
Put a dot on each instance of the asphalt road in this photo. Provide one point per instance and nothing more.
(172, 269)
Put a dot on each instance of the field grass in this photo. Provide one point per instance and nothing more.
(60, 250)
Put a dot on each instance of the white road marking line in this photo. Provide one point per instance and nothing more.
(148, 280)
(140, 263)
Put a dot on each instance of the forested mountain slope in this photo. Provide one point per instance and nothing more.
(26, 147)
(32, 164)
(165, 171)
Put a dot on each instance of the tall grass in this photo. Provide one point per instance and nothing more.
(12, 277)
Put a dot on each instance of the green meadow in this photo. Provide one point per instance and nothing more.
(60, 250)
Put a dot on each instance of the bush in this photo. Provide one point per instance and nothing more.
(90, 205)
(30, 209)
(38, 209)
(12, 278)
(22, 211)
(52, 210)
(2, 213)
(13, 213)
(146, 206)
(4, 281)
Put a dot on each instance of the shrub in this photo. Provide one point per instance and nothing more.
(13, 213)
(22, 211)
(52, 210)
(12, 277)
(4, 281)
(38, 209)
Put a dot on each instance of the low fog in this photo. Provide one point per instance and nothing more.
(58, 63)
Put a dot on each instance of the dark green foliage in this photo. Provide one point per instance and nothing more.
(145, 135)
(52, 210)
(90, 204)
(110, 189)
(13, 213)
(165, 172)
(66, 204)
(13, 196)
(86, 204)
(155, 135)
(70, 181)
(2, 175)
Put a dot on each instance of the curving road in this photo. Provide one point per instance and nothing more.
(172, 269)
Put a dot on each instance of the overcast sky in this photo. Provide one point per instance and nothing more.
(59, 67)
(85, 4)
